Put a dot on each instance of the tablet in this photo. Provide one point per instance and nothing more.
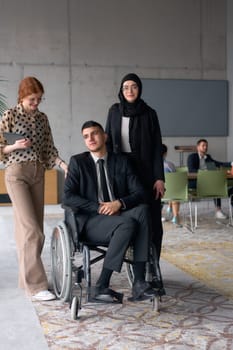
(11, 137)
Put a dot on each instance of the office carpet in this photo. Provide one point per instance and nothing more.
(195, 313)
(206, 254)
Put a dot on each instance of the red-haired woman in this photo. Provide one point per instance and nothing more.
(25, 163)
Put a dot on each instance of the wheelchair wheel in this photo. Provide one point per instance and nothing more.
(154, 273)
(74, 308)
(129, 267)
(61, 262)
(152, 267)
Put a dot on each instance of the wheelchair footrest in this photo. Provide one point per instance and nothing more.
(142, 298)
(153, 299)
(106, 296)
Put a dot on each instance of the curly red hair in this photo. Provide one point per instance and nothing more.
(28, 86)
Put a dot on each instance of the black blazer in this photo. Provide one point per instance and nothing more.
(193, 162)
(149, 153)
(81, 189)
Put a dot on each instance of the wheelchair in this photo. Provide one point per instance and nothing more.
(72, 258)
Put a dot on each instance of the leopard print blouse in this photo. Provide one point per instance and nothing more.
(34, 126)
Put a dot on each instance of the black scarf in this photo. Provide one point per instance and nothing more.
(135, 111)
(138, 106)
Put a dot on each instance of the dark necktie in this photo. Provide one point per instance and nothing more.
(103, 181)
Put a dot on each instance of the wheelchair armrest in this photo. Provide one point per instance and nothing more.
(72, 225)
(69, 209)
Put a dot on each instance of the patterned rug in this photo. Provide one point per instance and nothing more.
(205, 254)
(195, 313)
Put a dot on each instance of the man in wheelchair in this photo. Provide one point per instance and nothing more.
(110, 202)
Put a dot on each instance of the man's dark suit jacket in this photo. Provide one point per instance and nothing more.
(193, 162)
(81, 189)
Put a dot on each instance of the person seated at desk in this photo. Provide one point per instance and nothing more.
(110, 201)
(203, 161)
(173, 206)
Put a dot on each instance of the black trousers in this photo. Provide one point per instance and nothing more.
(119, 231)
(157, 227)
(147, 181)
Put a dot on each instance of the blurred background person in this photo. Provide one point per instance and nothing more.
(204, 161)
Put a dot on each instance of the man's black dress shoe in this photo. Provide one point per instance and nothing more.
(156, 284)
(142, 290)
(107, 295)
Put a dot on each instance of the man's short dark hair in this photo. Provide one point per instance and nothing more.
(91, 123)
(201, 140)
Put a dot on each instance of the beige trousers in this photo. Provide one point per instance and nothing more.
(25, 186)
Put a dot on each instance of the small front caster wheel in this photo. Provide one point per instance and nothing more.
(74, 308)
(155, 303)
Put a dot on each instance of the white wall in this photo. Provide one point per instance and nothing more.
(80, 50)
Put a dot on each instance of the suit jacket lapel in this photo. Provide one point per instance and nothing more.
(91, 169)
(111, 171)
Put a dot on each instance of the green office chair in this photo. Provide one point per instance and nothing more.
(226, 170)
(176, 185)
(211, 184)
(182, 168)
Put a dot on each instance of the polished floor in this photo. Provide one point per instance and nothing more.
(194, 314)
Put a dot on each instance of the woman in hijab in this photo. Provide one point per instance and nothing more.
(133, 128)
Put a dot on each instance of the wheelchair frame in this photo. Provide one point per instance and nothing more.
(68, 272)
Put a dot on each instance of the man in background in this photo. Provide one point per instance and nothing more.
(203, 161)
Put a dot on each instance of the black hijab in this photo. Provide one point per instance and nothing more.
(137, 107)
